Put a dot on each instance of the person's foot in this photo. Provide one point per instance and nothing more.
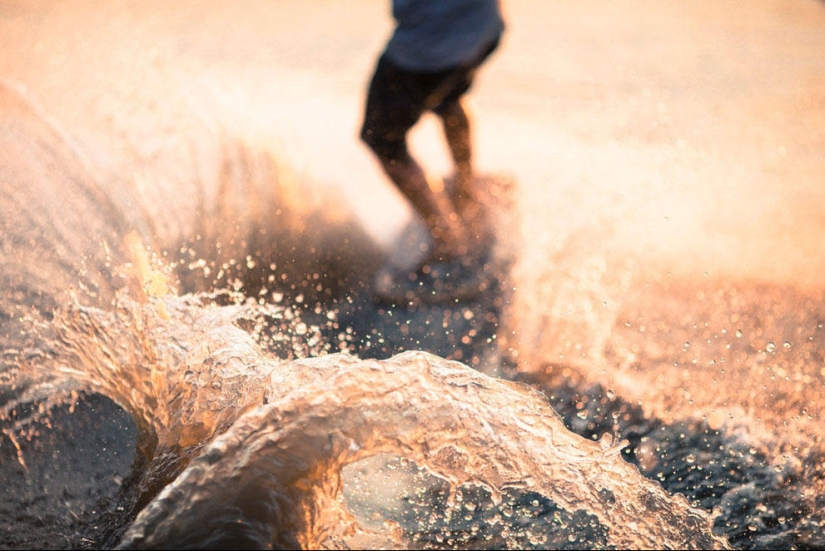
(450, 238)
(474, 217)
(436, 280)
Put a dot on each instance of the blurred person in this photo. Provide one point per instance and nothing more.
(429, 64)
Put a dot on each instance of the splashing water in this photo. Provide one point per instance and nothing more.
(260, 442)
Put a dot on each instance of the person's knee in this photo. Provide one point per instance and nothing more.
(454, 118)
(369, 137)
(452, 112)
(378, 146)
(386, 148)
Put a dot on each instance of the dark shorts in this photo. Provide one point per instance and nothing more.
(397, 98)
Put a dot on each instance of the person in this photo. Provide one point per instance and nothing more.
(429, 64)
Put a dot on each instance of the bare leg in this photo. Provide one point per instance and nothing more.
(456, 125)
(434, 206)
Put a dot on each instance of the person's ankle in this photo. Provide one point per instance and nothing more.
(448, 250)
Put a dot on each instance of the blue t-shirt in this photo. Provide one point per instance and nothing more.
(434, 35)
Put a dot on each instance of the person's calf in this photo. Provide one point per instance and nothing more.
(431, 201)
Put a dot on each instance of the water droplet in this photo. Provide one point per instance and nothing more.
(787, 344)
(739, 333)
